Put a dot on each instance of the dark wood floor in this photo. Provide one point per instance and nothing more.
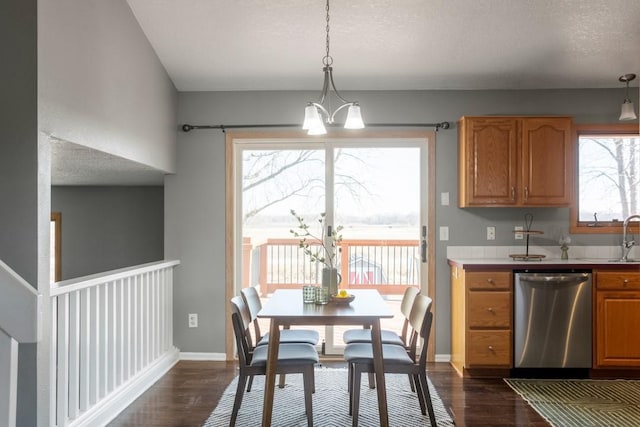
(187, 394)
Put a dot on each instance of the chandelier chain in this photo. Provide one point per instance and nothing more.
(327, 60)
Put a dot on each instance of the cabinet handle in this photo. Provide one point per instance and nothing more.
(490, 280)
(490, 310)
(513, 193)
(625, 282)
(491, 348)
(526, 193)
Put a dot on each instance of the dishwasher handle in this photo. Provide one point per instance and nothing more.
(555, 278)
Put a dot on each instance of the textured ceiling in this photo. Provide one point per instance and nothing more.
(394, 44)
(73, 164)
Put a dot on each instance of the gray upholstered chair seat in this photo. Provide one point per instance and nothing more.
(287, 353)
(293, 336)
(364, 336)
(363, 353)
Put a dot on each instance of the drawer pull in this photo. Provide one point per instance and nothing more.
(490, 280)
(490, 310)
(491, 348)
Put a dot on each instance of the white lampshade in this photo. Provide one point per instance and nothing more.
(312, 118)
(628, 111)
(319, 129)
(354, 118)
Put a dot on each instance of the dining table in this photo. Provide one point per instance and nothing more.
(285, 307)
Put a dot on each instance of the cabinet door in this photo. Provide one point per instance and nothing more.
(547, 161)
(488, 150)
(617, 326)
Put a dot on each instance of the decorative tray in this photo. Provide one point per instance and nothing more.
(342, 300)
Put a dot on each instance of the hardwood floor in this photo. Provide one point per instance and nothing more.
(187, 394)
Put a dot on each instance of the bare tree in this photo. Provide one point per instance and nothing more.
(625, 153)
(273, 176)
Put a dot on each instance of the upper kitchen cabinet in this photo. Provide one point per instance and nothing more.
(515, 161)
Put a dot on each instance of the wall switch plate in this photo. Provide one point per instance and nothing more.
(193, 320)
(491, 233)
(444, 199)
(518, 236)
(444, 233)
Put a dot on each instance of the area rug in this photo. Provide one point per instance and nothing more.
(581, 403)
(330, 403)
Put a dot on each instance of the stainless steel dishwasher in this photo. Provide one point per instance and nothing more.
(552, 319)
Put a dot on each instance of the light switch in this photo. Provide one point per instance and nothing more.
(444, 233)
(444, 198)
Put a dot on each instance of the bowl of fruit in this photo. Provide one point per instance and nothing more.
(342, 297)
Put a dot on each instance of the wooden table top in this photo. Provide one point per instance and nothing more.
(286, 305)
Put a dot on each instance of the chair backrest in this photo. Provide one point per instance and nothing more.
(405, 308)
(252, 300)
(420, 320)
(241, 319)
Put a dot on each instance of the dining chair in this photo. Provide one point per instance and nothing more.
(396, 360)
(293, 358)
(388, 336)
(252, 300)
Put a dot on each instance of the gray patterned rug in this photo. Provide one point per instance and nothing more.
(330, 403)
(582, 403)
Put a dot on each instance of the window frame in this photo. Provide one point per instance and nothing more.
(604, 227)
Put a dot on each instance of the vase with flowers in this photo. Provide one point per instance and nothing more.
(321, 250)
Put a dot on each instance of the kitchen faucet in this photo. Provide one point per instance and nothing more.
(627, 244)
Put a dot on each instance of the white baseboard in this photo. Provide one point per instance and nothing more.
(214, 357)
(107, 409)
(443, 358)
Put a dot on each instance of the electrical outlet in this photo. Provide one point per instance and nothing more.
(491, 233)
(518, 236)
(193, 320)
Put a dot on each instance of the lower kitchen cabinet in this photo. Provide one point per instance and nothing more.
(617, 319)
(481, 321)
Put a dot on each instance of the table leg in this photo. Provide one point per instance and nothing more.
(270, 377)
(378, 365)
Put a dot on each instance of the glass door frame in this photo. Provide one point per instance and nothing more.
(233, 226)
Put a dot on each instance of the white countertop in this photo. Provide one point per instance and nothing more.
(546, 262)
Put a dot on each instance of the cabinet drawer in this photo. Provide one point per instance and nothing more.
(488, 280)
(488, 348)
(489, 309)
(617, 280)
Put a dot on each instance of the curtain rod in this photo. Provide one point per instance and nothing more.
(223, 128)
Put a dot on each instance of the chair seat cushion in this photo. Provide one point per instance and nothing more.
(288, 354)
(288, 336)
(363, 353)
(364, 336)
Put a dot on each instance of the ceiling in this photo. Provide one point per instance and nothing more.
(224, 45)
(394, 44)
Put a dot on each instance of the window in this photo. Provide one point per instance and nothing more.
(608, 177)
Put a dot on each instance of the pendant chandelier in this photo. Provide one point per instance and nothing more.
(316, 113)
(627, 112)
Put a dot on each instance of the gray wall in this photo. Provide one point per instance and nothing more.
(104, 228)
(19, 169)
(101, 83)
(195, 205)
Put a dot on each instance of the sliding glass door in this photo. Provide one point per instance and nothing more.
(376, 189)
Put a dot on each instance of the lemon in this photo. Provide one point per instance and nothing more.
(343, 293)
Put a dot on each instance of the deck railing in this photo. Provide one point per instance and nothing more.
(390, 266)
(107, 332)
